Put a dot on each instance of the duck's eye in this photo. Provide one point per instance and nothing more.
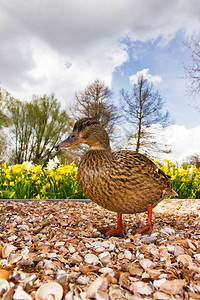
(88, 123)
(73, 135)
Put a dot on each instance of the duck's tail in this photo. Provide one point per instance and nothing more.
(174, 193)
(169, 192)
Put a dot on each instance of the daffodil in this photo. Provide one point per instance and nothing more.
(155, 161)
(43, 189)
(34, 177)
(27, 165)
(16, 168)
(57, 177)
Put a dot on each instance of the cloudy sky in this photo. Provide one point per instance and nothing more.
(61, 46)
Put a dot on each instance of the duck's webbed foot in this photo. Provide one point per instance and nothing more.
(119, 231)
(148, 227)
(145, 229)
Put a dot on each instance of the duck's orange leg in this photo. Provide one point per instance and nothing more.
(119, 231)
(148, 226)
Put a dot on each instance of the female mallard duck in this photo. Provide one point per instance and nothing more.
(124, 181)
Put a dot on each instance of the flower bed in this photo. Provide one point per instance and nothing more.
(185, 181)
(55, 181)
(27, 181)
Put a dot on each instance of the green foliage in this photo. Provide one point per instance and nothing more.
(4, 121)
(36, 127)
(27, 181)
(4, 96)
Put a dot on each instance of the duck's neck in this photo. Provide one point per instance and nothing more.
(98, 139)
(100, 147)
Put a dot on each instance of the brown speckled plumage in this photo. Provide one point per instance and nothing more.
(122, 181)
(125, 181)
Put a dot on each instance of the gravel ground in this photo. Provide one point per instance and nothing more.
(53, 250)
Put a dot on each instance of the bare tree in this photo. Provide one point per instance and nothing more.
(143, 108)
(194, 160)
(95, 102)
(193, 71)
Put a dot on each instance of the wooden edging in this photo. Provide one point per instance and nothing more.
(170, 200)
(79, 200)
(50, 200)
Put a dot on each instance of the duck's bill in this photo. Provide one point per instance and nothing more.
(69, 142)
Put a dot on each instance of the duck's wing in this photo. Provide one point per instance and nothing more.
(131, 162)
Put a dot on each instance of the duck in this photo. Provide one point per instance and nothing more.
(125, 182)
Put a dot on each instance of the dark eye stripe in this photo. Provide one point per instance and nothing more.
(75, 127)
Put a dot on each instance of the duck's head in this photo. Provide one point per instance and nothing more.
(88, 131)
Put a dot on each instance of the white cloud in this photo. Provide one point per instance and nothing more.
(65, 74)
(38, 38)
(182, 142)
(146, 75)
